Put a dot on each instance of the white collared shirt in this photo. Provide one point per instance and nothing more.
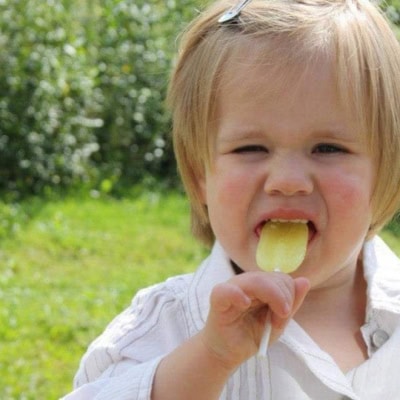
(121, 363)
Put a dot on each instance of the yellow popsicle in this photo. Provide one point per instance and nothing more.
(282, 246)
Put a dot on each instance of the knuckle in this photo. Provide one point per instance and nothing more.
(286, 288)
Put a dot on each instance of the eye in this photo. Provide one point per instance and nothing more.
(328, 148)
(253, 148)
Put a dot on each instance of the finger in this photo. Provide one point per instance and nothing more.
(277, 290)
(302, 287)
(228, 301)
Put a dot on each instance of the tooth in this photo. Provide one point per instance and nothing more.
(289, 220)
(282, 245)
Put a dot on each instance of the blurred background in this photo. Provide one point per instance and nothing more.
(91, 208)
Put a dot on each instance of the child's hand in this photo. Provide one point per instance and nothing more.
(239, 307)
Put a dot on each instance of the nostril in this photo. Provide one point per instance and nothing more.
(289, 183)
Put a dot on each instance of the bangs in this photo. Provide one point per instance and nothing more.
(352, 34)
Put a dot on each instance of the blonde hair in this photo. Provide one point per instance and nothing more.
(353, 33)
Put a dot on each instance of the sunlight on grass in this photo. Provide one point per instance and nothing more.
(70, 270)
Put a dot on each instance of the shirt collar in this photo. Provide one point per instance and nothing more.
(382, 274)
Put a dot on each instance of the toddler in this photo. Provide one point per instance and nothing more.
(283, 110)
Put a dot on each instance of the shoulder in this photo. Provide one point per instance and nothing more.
(382, 273)
(150, 307)
(154, 323)
(158, 320)
(162, 304)
(379, 260)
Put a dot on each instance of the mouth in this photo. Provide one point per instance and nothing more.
(312, 230)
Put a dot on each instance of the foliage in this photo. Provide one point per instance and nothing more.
(81, 91)
(45, 98)
(392, 8)
(136, 45)
(82, 88)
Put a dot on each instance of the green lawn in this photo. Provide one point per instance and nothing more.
(72, 267)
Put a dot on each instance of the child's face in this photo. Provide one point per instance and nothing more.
(285, 149)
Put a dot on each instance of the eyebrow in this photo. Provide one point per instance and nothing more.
(236, 134)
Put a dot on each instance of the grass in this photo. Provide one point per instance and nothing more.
(70, 270)
(74, 265)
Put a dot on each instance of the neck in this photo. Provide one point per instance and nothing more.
(335, 313)
(347, 288)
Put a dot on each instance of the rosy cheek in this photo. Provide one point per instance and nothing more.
(233, 188)
(231, 183)
(348, 192)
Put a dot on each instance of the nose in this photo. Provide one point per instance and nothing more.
(288, 175)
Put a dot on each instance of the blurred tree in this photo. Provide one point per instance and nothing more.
(46, 98)
(136, 44)
(82, 88)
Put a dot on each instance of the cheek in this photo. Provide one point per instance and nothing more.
(350, 193)
(229, 185)
(232, 189)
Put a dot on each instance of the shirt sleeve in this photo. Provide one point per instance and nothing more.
(134, 384)
(121, 363)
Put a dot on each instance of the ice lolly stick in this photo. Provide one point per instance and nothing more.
(282, 247)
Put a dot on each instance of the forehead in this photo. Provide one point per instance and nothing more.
(272, 57)
(254, 80)
(287, 104)
(253, 65)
